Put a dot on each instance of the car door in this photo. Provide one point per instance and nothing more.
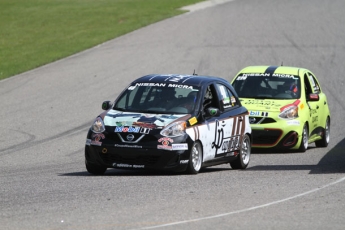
(221, 133)
(315, 106)
(235, 115)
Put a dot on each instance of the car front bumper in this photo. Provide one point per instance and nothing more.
(277, 136)
(137, 158)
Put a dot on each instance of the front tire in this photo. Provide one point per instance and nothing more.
(243, 158)
(325, 137)
(195, 159)
(305, 139)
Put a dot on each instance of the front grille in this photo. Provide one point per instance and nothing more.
(266, 137)
(261, 120)
(111, 158)
(146, 138)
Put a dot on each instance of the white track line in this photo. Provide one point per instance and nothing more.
(204, 4)
(247, 209)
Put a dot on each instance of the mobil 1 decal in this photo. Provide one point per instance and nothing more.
(227, 135)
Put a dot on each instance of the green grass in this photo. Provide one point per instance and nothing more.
(36, 32)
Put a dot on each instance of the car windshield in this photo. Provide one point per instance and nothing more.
(276, 86)
(158, 98)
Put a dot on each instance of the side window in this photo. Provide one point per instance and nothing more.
(308, 88)
(227, 99)
(210, 98)
(128, 98)
(314, 84)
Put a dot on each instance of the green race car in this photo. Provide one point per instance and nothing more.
(287, 108)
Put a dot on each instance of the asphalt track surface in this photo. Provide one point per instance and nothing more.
(45, 114)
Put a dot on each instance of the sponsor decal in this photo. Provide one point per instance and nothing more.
(227, 102)
(129, 146)
(127, 129)
(96, 143)
(145, 130)
(231, 144)
(258, 114)
(97, 136)
(134, 129)
(162, 85)
(301, 106)
(96, 139)
(262, 103)
(233, 100)
(254, 113)
(176, 78)
(182, 146)
(293, 122)
(151, 84)
(166, 147)
(181, 86)
(222, 143)
(315, 119)
(256, 75)
(193, 121)
(282, 75)
(115, 165)
(165, 140)
(184, 161)
(245, 75)
(129, 122)
(165, 143)
(241, 78)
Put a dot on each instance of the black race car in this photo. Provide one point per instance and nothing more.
(170, 122)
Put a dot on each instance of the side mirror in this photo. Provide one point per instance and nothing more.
(106, 105)
(313, 97)
(211, 111)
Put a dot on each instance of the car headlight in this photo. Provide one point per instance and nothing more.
(98, 126)
(290, 112)
(175, 129)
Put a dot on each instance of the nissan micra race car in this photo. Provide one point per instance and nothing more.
(287, 107)
(170, 122)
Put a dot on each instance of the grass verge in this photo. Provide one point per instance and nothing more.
(37, 32)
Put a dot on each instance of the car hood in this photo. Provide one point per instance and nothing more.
(122, 119)
(254, 106)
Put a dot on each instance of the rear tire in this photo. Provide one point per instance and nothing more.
(243, 158)
(325, 137)
(305, 138)
(195, 159)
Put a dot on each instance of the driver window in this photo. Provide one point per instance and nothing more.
(210, 99)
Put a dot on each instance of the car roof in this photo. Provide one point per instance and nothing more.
(184, 79)
(274, 69)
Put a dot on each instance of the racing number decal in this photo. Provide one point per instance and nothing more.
(224, 141)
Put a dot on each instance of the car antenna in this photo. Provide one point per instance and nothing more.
(281, 64)
(195, 74)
